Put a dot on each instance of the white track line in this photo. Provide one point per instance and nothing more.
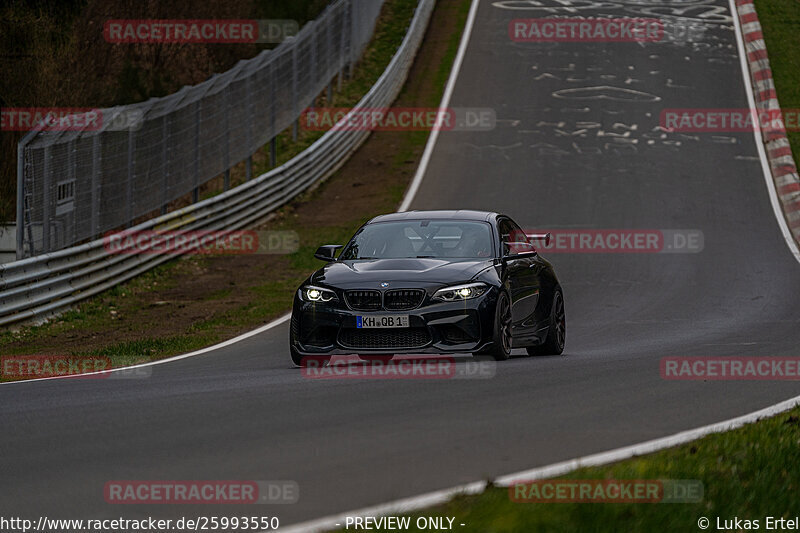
(243, 336)
(448, 93)
(439, 497)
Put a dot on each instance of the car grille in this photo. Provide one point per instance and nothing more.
(363, 300)
(377, 339)
(402, 299)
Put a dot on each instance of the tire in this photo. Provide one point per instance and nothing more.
(557, 332)
(500, 349)
(375, 357)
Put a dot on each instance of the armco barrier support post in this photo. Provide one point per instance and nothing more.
(249, 167)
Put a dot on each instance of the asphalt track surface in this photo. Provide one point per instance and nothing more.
(243, 412)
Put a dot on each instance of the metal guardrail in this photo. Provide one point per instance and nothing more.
(40, 286)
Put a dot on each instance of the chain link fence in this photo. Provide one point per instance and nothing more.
(76, 185)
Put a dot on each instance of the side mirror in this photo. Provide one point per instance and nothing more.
(327, 253)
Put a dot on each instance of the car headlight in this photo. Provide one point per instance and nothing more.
(456, 293)
(310, 293)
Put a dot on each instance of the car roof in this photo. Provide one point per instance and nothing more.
(445, 214)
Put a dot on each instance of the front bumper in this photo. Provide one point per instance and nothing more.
(434, 328)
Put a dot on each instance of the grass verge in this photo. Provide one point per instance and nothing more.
(780, 21)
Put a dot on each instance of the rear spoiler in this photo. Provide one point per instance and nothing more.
(541, 237)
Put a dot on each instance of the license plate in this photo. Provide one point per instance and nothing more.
(382, 321)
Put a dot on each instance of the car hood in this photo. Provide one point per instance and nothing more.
(398, 272)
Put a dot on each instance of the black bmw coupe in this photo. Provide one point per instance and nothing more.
(424, 282)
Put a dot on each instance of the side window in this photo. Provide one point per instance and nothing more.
(505, 228)
(514, 240)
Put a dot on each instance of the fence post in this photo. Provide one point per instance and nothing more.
(273, 144)
(328, 69)
(20, 200)
(46, 202)
(165, 164)
(129, 185)
(72, 146)
(314, 66)
(342, 45)
(249, 106)
(196, 191)
(295, 110)
(96, 159)
(352, 50)
(226, 159)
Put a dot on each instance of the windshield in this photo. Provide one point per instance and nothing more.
(421, 239)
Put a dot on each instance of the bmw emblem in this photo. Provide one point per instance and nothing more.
(384, 284)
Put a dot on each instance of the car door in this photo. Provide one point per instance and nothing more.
(522, 275)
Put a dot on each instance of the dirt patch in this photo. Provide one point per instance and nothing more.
(212, 298)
